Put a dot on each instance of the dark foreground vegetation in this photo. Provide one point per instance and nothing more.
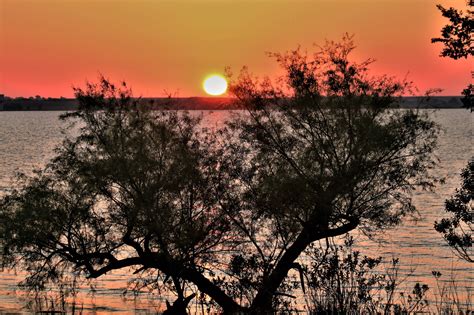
(334, 279)
(225, 216)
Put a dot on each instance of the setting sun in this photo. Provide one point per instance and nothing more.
(215, 85)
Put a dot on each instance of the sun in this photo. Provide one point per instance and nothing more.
(215, 85)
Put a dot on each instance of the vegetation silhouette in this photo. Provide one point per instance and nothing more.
(225, 214)
(457, 35)
(457, 230)
(342, 281)
(458, 43)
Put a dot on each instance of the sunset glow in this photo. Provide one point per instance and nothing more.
(236, 156)
(48, 46)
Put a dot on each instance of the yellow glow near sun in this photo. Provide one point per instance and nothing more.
(215, 85)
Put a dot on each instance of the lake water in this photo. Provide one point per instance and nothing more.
(27, 140)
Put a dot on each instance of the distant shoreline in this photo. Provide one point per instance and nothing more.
(193, 103)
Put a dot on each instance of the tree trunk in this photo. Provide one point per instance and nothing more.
(263, 300)
(204, 285)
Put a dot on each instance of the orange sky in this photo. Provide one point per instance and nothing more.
(46, 46)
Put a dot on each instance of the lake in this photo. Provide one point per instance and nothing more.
(27, 140)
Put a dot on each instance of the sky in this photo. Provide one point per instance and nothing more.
(160, 47)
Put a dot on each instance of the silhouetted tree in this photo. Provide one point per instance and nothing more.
(457, 35)
(458, 229)
(227, 213)
(324, 153)
(134, 189)
(458, 43)
(468, 99)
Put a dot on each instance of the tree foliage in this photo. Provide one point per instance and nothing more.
(468, 97)
(225, 213)
(457, 35)
(458, 43)
(328, 154)
(457, 229)
(134, 189)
